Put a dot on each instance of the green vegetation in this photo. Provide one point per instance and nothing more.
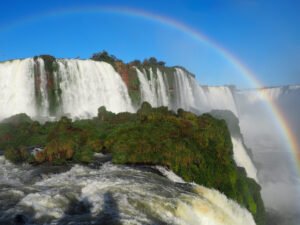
(104, 57)
(197, 148)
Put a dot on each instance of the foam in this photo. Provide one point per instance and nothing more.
(131, 196)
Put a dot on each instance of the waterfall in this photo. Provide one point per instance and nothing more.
(42, 88)
(242, 158)
(184, 91)
(17, 88)
(161, 89)
(153, 89)
(87, 84)
(220, 98)
(146, 89)
(79, 86)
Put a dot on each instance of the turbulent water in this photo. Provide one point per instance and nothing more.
(109, 195)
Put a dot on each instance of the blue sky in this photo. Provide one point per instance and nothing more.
(264, 35)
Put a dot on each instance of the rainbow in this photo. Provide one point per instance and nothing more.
(282, 123)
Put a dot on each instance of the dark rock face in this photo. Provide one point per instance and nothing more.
(20, 219)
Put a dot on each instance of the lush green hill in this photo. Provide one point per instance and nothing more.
(197, 148)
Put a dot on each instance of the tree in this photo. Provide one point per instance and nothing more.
(161, 63)
(135, 63)
(153, 60)
(104, 56)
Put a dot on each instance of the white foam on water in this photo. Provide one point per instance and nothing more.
(132, 196)
(169, 174)
(9, 173)
(46, 204)
(213, 208)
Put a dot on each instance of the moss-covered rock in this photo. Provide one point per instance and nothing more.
(17, 119)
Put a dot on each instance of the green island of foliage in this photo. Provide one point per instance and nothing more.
(197, 148)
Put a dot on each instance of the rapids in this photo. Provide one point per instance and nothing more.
(109, 194)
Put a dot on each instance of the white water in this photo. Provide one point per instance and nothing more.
(116, 194)
(184, 91)
(220, 98)
(146, 89)
(186, 94)
(153, 90)
(242, 158)
(43, 89)
(87, 85)
(17, 88)
(169, 174)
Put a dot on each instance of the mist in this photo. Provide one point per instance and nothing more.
(277, 170)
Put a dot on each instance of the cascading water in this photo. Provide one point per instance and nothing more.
(81, 85)
(185, 93)
(109, 195)
(17, 93)
(242, 158)
(153, 89)
(220, 98)
(42, 96)
(86, 85)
